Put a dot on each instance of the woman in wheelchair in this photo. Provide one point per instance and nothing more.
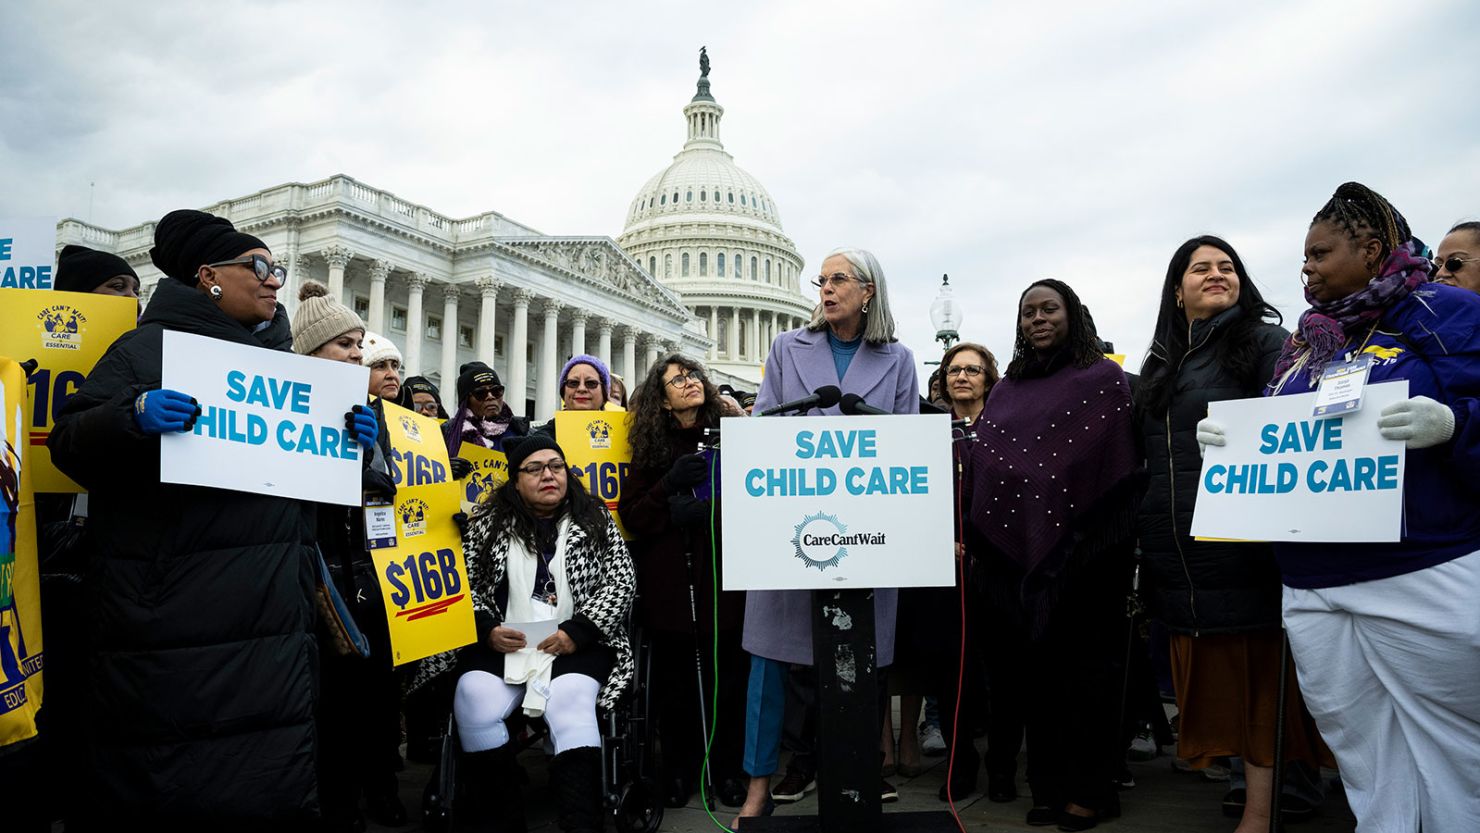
(541, 552)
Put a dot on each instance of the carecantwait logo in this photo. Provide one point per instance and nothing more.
(600, 432)
(408, 425)
(62, 326)
(822, 541)
(413, 518)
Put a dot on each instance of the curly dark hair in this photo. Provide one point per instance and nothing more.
(1082, 344)
(1359, 210)
(1236, 352)
(652, 422)
(512, 516)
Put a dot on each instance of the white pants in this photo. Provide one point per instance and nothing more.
(1390, 669)
(483, 702)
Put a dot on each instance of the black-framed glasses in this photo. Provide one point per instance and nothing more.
(1453, 263)
(556, 466)
(588, 384)
(683, 379)
(837, 279)
(969, 370)
(262, 268)
(494, 392)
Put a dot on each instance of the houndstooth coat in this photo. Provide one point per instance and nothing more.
(602, 585)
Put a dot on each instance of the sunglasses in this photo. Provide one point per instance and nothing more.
(487, 393)
(1454, 263)
(262, 268)
(588, 384)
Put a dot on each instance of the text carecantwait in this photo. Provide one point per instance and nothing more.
(824, 479)
(290, 433)
(1341, 474)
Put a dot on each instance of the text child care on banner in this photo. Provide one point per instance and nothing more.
(28, 245)
(424, 577)
(1288, 476)
(20, 584)
(837, 501)
(597, 450)
(271, 422)
(490, 471)
(65, 333)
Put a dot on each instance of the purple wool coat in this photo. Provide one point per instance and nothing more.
(778, 623)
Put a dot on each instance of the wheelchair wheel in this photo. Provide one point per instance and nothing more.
(640, 809)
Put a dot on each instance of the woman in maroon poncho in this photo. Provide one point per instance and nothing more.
(1053, 490)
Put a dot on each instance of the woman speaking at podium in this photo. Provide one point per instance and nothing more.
(849, 343)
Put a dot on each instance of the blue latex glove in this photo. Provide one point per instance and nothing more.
(165, 411)
(360, 421)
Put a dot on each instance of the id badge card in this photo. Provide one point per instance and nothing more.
(380, 524)
(1341, 385)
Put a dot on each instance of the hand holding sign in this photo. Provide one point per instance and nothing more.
(361, 422)
(1209, 432)
(1419, 422)
(165, 411)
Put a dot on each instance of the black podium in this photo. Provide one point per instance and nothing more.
(848, 728)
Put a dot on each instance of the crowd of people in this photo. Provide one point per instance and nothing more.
(191, 682)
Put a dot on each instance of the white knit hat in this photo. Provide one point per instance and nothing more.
(377, 348)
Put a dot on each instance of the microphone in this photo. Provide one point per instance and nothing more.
(824, 397)
(853, 405)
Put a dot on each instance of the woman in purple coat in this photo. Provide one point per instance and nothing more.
(848, 343)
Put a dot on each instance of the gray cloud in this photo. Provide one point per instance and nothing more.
(996, 142)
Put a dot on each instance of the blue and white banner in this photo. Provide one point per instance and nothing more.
(28, 246)
(837, 501)
(271, 422)
(1288, 476)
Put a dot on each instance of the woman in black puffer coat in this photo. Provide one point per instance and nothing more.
(201, 676)
(1220, 600)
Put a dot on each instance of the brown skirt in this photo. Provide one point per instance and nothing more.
(1227, 697)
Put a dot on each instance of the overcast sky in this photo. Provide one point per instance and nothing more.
(999, 142)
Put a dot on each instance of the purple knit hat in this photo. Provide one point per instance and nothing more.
(596, 364)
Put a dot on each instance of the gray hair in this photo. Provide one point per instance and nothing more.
(878, 322)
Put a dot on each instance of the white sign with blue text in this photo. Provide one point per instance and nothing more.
(271, 422)
(28, 245)
(837, 501)
(1286, 475)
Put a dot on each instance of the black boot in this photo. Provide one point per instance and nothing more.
(492, 792)
(576, 776)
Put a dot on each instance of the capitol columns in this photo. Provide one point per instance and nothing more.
(416, 284)
(578, 331)
(298, 269)
(732, 340)
(380, 270)
(517, 386)
(604, 341)
(488, 287)
(450, 295)
(546, 392)
(337, 257)
(755, 335)
(651, 342)
(629, 356)
(713, 332)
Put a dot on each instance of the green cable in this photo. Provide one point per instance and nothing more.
(714, 656)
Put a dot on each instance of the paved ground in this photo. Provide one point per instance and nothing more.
(1163, 801)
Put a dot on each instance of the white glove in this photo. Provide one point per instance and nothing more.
(1419, 422)
(1209, 432)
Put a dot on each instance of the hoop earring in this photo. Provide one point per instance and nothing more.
(1179, 303)
(216, 293)
(865, 307)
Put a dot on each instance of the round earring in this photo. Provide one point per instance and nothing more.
(865, 307)
(216, 292)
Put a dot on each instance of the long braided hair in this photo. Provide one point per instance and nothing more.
(1359, 211)
(1082, 345)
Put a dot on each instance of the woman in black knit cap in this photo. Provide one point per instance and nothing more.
(200, 600)
(80, 269)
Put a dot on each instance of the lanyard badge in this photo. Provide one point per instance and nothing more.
(380, 524)
(1340, 390)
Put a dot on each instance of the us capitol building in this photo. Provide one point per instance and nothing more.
(703, 267)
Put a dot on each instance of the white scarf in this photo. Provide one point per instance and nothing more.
(527, 666)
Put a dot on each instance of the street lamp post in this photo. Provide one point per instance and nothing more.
(946, 314)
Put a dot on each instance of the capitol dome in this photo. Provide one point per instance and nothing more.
(711, 232)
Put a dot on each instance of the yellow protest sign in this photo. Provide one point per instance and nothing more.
(66, 333)
(597, 451)
(423, 578)
(490, 471)
(20, 584)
